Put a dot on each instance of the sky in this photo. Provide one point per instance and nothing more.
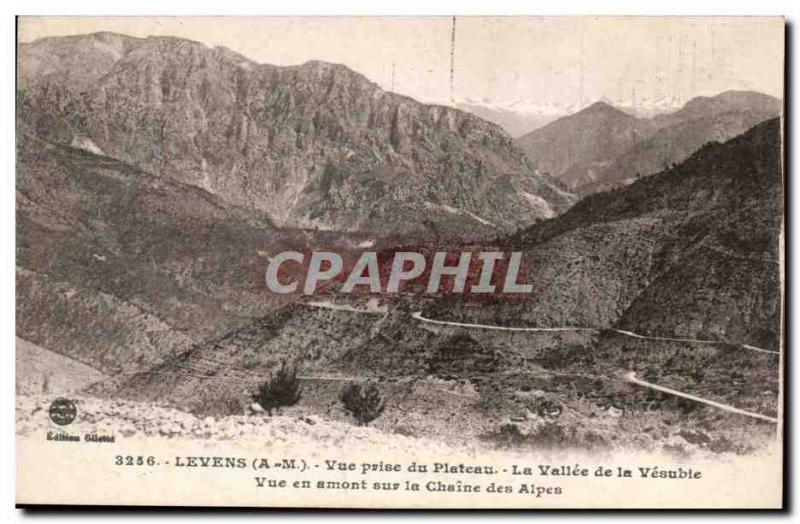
(537, 62)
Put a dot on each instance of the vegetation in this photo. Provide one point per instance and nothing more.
(363, 401)
(281, 389)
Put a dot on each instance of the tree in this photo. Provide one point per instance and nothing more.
(363, 401)
(281, 389)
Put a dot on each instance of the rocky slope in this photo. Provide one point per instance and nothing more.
(146, 243)
(93, 327)
(118, 269)
(610, 149)
(692, 252)
(315, 145)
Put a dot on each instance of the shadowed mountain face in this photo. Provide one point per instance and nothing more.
(314, 146)
(691, 250)
(596, 153)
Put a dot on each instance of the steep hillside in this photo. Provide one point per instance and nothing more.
(92, 327)
(169, 249)
(315, 145)
(575, 147)
(713, 271)
(703, 233)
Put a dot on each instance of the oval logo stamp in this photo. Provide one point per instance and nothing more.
(62, 411)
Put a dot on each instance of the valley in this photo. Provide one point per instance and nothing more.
(157, 188)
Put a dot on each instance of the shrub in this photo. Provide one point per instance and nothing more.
(281, 389)
(363, 401)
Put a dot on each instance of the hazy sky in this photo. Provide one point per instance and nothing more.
(561, 61)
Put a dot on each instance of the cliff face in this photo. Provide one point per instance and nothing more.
(314, 145)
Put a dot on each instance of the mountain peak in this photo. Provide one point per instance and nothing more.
(322, 67)
(322, 64)
(603, 107)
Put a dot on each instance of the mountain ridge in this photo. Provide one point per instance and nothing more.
(313, 145)
(624, 147)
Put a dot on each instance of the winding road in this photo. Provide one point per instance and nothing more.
(418, 316)
(630, 376)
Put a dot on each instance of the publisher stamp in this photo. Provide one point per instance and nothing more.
(62, 411)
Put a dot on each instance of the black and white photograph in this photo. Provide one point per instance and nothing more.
(400, 262)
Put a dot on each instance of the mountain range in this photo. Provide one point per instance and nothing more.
(601, 146)
(520, 117)
(312, 146)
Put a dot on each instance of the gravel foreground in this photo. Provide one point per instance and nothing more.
(128, 420)
(134, 421)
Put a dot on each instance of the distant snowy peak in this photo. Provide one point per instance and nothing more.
(520, 105)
